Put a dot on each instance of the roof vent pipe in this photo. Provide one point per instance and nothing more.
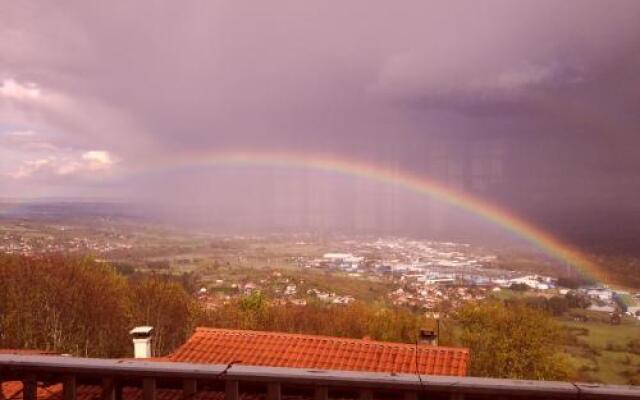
(428, 337)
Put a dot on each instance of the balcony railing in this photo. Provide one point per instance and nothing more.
(188, 380)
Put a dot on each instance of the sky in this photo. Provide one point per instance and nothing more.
(533, 105)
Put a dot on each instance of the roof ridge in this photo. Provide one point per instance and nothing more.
(421, 347)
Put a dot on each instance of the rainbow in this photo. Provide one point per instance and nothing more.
(499, 216)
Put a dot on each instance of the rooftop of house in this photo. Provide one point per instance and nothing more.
(276, 349)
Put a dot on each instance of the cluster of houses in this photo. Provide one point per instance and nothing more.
(536, 282)
(331, 297)
(27, 246)
(283, 290)
(429, 290)
(341, 261)
(604, 299)
(431, 297)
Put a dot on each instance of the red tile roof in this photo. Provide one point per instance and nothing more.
(13, 389)
(223, 346)
(274, 349)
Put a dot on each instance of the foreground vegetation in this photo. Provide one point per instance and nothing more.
(83, 307)
(78, 306)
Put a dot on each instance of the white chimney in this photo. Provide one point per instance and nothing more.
(142, 336)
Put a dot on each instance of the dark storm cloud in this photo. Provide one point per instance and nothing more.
(542, 94)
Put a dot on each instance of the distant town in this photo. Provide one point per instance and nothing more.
(421, 274)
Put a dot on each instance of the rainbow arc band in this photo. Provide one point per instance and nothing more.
(499, 216)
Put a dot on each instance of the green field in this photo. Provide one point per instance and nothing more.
(600, 351)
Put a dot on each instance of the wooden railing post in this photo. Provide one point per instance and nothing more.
(149, 389)
(69, 388)
(118, 390)
(321, 393)
(231, 390)
(365, 394)
(108, 389)
(29, 387)
(274, 391)
(189, 388)
(410, 395)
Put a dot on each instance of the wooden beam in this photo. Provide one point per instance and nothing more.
(231, 391)
(274, 391)
(29, 387)
(149, 389)
(108, 389)
(321, 393)
(69, 387)
(189, 388)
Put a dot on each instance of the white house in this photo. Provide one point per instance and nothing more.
(602, 294)
(533, 281)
